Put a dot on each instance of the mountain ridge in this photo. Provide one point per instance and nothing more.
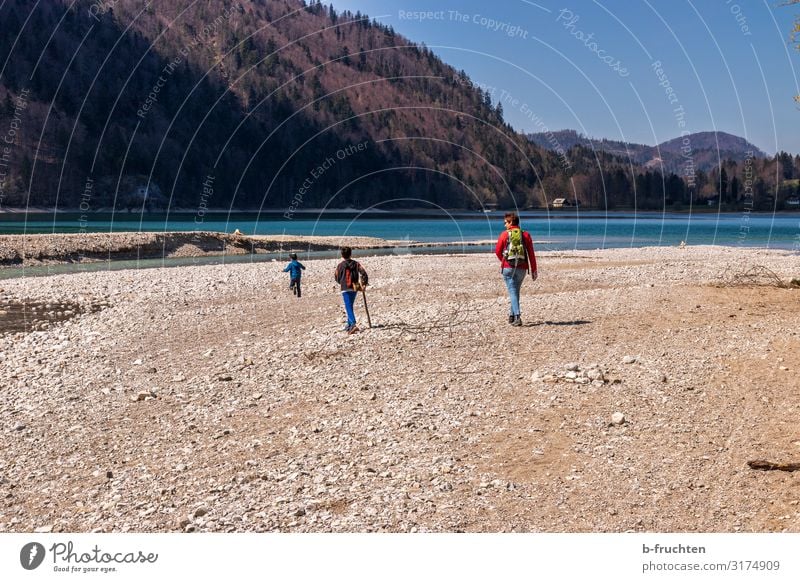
(706, 148)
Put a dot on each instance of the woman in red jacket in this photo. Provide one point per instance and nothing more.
(515, 250)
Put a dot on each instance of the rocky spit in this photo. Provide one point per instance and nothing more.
(37, 249)
(30, 250)
(210, 399)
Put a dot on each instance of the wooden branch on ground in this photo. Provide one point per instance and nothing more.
(446, 320)
(769, 466)
(756, 276)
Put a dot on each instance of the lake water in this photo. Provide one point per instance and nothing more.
(553, 230)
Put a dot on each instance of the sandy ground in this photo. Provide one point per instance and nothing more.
(211, 399)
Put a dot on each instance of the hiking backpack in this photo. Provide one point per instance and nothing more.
(515, 246)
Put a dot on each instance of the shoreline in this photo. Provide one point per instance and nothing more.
(377, 212)
(41, 250)
(29, 250)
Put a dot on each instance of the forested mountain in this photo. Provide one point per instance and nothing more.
(257, 95)
(715, 167)
(706, 149)
(264, 103)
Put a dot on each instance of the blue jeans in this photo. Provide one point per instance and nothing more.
(349, 299)
(513, 279)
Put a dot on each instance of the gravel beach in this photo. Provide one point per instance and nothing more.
(210, 399)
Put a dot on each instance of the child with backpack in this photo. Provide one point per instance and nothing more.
(351, 277)
(514, 249)
(295, 270)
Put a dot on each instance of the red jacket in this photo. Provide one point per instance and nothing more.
(502, 241)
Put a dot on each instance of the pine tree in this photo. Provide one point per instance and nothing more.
(723, 186)
(8, 104)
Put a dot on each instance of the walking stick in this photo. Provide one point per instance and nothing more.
(366, 309)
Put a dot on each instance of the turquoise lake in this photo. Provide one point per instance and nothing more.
(554, 230)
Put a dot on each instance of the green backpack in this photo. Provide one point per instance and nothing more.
(515, 248)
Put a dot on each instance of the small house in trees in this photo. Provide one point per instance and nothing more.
(147, 196)
(563, 203)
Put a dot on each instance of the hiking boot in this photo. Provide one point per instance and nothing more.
(352, 330)
(517, 321)
(510, 319)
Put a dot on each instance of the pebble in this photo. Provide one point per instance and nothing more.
(595, 374)
(573, 367)
(617, 418)
(19, 426)
(44, 529)
(629, 359)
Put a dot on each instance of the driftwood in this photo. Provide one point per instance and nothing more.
(446, 320)
(769, 466)
(755, 276)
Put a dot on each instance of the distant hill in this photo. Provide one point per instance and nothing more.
(708, 149)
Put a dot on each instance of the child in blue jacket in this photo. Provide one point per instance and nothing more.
(295, 270)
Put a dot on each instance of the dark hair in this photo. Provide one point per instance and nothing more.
(293, 256)
(346, 252)
(513, 217)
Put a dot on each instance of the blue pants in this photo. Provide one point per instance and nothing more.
(513, 279)
(349, 299)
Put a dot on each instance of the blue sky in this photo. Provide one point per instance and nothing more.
(593, 65)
